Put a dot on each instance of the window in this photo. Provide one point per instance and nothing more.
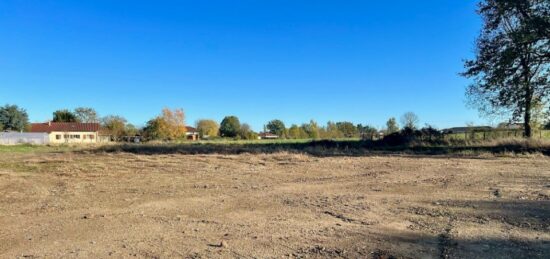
(84, 136)
(76, 136)
(58, 137)
(66, 136)
(92, 136)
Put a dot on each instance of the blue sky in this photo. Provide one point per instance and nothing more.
(359, 61)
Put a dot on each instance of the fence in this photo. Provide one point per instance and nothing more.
(14, 138)
(495, 134)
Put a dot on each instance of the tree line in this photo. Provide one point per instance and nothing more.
(170, 124)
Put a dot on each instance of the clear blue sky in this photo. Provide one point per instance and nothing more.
(360, 61)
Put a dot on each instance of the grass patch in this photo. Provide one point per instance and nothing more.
(27, 148)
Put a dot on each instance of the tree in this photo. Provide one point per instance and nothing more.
(85, 114)
(511, 69)
(348, 129)
(246, 132)
(331, 131)
(169, 125)
(230, 127)
(130, 130)
(208, 128)
(115, 125)
(295, 132)
(64, 116)
(410, 120)
(175, 123)
(13, 118)
(277, 127)
(311, 129)
(392, 126)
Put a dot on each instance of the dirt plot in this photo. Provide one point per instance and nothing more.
(266, 206)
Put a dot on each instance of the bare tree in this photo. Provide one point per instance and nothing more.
(410, 120)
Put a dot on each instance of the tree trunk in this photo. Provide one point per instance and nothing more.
(528, 97)
(527, 120)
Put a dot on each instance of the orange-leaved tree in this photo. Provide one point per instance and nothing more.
(169, 125)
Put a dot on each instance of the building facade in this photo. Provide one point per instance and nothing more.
(69, 132)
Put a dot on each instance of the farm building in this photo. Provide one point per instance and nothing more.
(14, 138)
(191, 133)
(70, 132)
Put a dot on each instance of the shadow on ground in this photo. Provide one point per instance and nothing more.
(530, 218)
(320, 148)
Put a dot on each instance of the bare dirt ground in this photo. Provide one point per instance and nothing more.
(68, 205)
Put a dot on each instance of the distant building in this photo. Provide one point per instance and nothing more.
(192, 133)
(456, 130)
(267, 135)
(70, 132)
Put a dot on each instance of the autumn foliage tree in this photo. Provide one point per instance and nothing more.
(114, 125)
(169, 125)
(208, 128)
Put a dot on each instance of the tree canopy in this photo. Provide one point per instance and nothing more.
(85, 114)
(511, 68)
(311, 129)
(392, 126)
(169, 125)
(114, 125)
(13, 118)
(277, 127)
(208, 128)
(348, 129)
(64, 116)
(230, 127)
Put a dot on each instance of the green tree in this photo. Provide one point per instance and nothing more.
(391, 126)
(511, 69)
(296, 132)
(13, 118)
(230, 127)
(331, 131)
(114, 125)
(64, 116)
(85, 114)
(277, 127)
(311, 129)
(348, 129)
(208, 128)
(410, 120)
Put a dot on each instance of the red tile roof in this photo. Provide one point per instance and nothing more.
(190, 129)
(64, 127)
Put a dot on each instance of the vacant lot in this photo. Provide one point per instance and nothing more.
(279, 205)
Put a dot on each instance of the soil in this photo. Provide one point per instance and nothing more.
(120, 205)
